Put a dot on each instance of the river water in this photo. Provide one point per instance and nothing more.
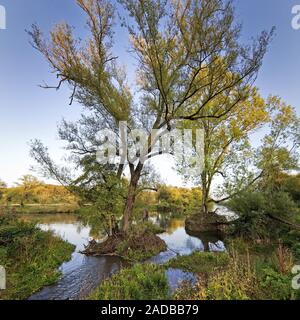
(81, 275)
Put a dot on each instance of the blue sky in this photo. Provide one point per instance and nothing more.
(28, 112)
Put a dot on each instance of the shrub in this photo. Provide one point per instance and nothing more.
(237, 281)
(255, 211)
(254, 271)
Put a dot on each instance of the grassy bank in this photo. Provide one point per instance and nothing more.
(200, 262)
(249, 272)
(30, 256)
(141, 282)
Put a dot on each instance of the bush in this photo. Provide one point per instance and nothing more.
(141, 282)
(276, 286)
(252, 272)
(255, 210)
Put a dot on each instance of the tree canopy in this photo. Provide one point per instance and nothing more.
(191, 66)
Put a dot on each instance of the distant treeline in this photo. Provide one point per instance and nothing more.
(29, 190)
(171, 199)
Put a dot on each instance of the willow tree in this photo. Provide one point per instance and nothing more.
(227, 143)
(260, 168)
(184, 49)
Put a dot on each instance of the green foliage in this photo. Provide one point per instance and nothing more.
(3, 187)
(31, 257)
(276, 286)
(291, 239)
(105, 193)
(200, 262)
(147, 226)
(232, 280)
(146, 200)
(234, 283)
(141, 243)
(257, 212)
(296, 250)
(291, 185)
(141, 282)
(178, 199)
(279, 151)
(252, 272)
(251, 222)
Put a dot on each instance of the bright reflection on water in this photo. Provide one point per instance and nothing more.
(178, 242)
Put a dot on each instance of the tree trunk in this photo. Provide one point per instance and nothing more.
(130, 201)
(204, 175)
(204, 194)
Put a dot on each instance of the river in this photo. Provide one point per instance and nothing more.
(81, 275)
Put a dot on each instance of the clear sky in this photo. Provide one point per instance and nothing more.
(28, 112)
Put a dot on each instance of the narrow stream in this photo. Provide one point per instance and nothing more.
(82, 274)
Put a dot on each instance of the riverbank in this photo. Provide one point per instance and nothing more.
(252, 272)
(247, 271)
(60, 208)
(30, 256)
(186, 260)
(83, 274)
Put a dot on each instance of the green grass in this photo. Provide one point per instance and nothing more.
(250, 271)
(141, 282)
(199, 262)
(30, 256)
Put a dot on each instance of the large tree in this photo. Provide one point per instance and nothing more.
(185, 49)
(261, 166)
(225, 139)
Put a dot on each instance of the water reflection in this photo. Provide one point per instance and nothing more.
(179, 242)
(177, 276)
(83, 274)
